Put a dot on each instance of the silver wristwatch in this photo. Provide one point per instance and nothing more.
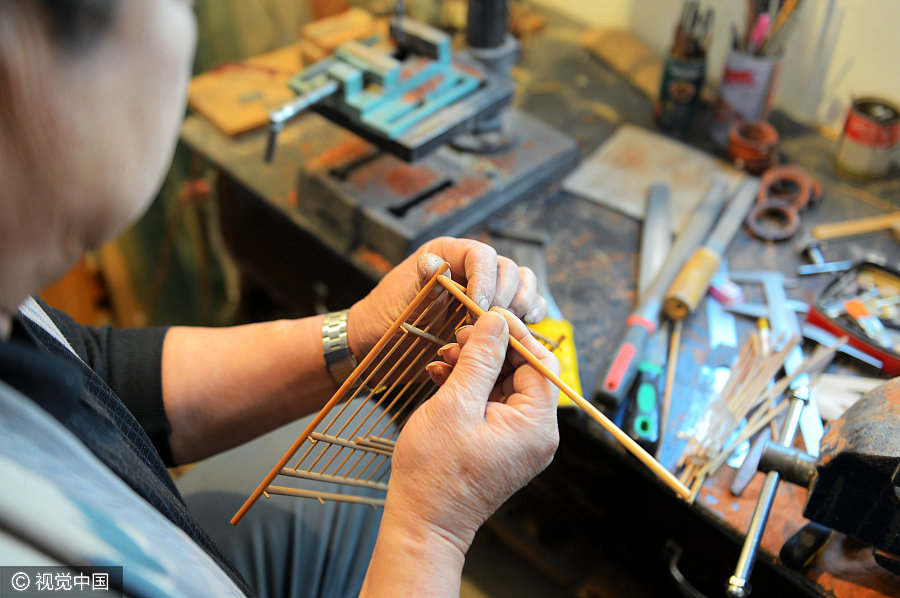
(338, 358)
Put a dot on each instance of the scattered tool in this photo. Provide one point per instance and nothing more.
(692, 31)
(436, 147)
(812, 249)
(853, 484)
(872, 292)
(848, 228)
(656, 240)
(784, 322)
(643, 321)
(345, 446)
(810, 331)
(528, 249)
(674, 345)
(684, 70)
(693, 279)
(642, 411)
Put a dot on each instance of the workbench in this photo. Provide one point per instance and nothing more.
(592, 261)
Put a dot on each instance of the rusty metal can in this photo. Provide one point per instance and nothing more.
(870, 136)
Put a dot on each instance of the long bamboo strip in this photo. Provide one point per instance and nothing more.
(624, 439)
(332, 479)
(348, 383)
(365, 500)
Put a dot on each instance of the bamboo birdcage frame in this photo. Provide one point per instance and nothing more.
(380, 394)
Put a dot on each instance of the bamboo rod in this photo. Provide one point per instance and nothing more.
(333, 479)
(421, 351)
(348, 383)
(423, 384)
(671, 366)
(346, 443)
(633, 447)
(320, 496)
(422, 334)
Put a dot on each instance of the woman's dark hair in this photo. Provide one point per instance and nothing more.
(76, 23)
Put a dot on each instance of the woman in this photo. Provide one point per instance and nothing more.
(91, 97)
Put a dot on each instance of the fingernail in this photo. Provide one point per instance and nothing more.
(445, 348)
(493, 323)
(532, 316)
(435, 372)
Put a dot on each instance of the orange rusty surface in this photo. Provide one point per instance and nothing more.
(421, 91)
(341, 153)
(881, 403)
(292, 198)
(405, 179)
(843, 569)
(457, 196)
(373, 259)
(411, 67)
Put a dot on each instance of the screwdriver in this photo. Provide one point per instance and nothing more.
(615, 384)
(642, 410)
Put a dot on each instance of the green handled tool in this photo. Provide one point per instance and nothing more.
(643, 408)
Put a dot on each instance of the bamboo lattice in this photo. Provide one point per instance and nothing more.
(350, 441)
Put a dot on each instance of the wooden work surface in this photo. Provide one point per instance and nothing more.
(592, 259)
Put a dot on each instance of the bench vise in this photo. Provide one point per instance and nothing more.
(408, 97)
(854, 485)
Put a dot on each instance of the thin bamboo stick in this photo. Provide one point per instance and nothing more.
(365, 500)
(333, 479)
(422, 334)
(671, 366)
(630, 445)
(348, 383)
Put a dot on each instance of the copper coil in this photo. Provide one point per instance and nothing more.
(753, 146)
(800, 190)
(763, 215)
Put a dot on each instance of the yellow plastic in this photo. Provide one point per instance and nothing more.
(565, 353)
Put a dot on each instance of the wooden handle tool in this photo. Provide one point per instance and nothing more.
(692, 281)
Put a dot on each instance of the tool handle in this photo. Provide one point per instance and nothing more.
(690, 286)
(614, 385)
(642, 412)
(835, 230)
(800, 549)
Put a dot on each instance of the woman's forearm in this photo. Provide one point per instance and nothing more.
(225, 386)
(412, 558)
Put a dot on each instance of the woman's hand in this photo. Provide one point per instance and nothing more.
(488, 430)
(490, 280)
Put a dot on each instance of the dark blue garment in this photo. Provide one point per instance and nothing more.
(39, 367)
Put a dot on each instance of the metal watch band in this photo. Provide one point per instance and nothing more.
(338, 358)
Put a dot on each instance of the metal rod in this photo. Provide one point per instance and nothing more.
(738, 586)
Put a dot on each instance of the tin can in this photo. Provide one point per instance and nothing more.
(871, 133)
(744, 94)
(679, 93)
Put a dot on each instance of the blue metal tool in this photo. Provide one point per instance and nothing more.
(385, 92)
